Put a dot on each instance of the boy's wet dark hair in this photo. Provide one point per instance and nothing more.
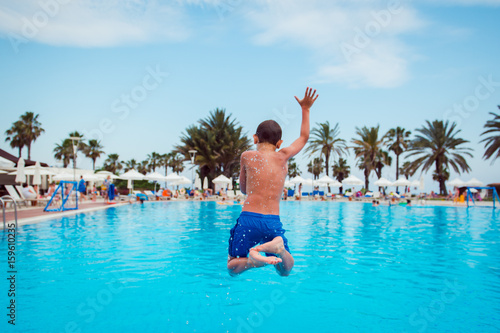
(269, 131)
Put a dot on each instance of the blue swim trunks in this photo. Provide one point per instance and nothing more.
(252, 229)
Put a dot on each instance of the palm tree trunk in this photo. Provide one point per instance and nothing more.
(397, 170)
(93, 164)
(367, 181)
(20, 151)
(29, 151)
(327, 156)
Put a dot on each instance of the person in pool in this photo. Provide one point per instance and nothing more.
(262, 178)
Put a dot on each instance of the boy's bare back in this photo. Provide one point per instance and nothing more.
(266, 171)
(263, 172)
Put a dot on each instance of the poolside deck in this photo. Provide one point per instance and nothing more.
(27, 215)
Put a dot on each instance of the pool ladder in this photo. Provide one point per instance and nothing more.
(3, 201)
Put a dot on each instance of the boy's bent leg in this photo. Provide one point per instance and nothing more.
(236, 266)
(276, 246)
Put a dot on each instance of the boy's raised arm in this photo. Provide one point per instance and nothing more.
(305, 103)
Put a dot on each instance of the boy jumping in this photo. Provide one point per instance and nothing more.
(262, 177)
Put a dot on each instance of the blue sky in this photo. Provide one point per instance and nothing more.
(373, 62)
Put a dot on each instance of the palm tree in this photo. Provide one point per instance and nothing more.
(64, 152)
(315, 167)
(325, 141)
(81, 146)
(366, 148)
(24, 132)
(407, 170)
(93, 151)
(492, 144)
(341, 171)
(398, 142)
(112, 163)
(154, 161)
(15, 136)
(176, 163)
(382, 159)
(293, 170)
(129, 165)
(164, 161)
(219, 142)
(438, 145)
(143, 167)
(31, 129)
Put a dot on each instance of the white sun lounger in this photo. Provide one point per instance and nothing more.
(13, 193)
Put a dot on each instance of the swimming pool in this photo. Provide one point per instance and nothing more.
(161, 267)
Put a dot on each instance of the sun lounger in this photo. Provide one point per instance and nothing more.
(13, 193)
(150, 195)
(42, 201)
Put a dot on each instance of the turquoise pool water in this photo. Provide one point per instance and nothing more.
(161, 267)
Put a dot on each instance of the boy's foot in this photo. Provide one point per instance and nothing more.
(255, 258)
(275, 246)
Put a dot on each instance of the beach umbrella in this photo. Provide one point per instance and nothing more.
(297, 180)
(328, 181)
(205, 183)
(221, 180)
(415, 183)
(30, 171)
(1, 171)
(197, 181)
(20, 176)
(382, 182)
(131, 175)
(37, 179)
(104, 174)
(289, 184)
(402, 181)
(172, 177)
(230, 186)
(155, 176)
(422, 184)
(474, 183)
(182, 181)
(352, 180)
(63, 176)
(456, 183)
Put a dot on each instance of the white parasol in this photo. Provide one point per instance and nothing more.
(382, 182)
(402, 181)
(474, 183)
(352, 180)
(20, 176)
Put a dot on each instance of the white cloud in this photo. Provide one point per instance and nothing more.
(92, 23)
(370, 30)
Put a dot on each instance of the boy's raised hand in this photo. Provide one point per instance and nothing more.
(309, 98)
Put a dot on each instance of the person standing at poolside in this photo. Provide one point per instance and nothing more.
(82, 188)
(262, 177)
